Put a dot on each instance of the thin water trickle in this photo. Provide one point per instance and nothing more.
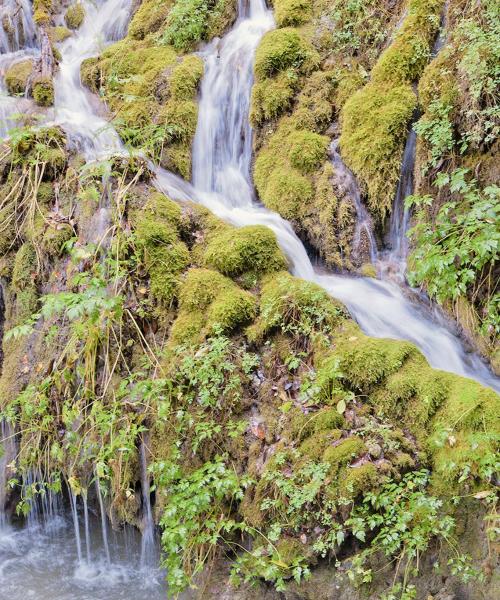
(104, 524)
(149, 554)
(364, 244)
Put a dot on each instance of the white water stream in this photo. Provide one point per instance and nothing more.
(55, 562)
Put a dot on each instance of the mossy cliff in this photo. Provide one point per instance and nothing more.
(270, 416)
(305, 71)
(150, 83)
(456, 142)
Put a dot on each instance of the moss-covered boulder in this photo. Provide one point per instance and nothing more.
(75, 16)
(17, 75)
(43, 91)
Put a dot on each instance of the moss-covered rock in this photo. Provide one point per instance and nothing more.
(16, 76)
(249, 249)
(43, 91)
(292, 12)
(75, 16)
(207, 300)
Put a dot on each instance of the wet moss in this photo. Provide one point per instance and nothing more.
(153, 94)
(292, 12)
(16, 76)
(59, 34)
(207, 300)
(54, 239)
(25, 268)
(248, 249)
(75, 16)
(43, 91)
(149, 18)
(164, 255)
(296, 307)
(342, 454)
(375, 120)
(374, 129)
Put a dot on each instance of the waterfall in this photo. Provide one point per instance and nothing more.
(76, 524)
(104, 525)
(381, 308)
(17, 29)
(74, 107)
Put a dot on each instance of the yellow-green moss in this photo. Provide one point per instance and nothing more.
(292, 12)
(149, 18)
(282, 169)
(43, 91)
(343, 453)
(375, 119)
(252, 248)
(59, 34)
(295, 306)
(16, 76)
(75, 16)
(374, 129)
(153, 94)
(54, 238)
(165, 256)
(25, 268)
(209, 299)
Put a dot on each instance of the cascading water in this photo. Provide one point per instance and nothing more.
(45, 564)
(381, 307)
(17, 29)
(74, 108)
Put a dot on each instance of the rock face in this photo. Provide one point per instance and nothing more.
(292, 457)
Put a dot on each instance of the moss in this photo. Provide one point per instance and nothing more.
(271, 97)
(149, 18)
(59, 34)
(207, 299)
(43, 92)
(313, 447)
(406, 57)
(152, 92)
(185, 78)
(365, 361)
(252, 248)
(75, 16)
(165, 256)
(282, 49)
(376, 118)
(295, 306)
(16, 76)
(307, 150)
(286, 191)
(54, 238)
(374, 129)
(25, 268)
(358, 480)
(343, 453)
(292, 12)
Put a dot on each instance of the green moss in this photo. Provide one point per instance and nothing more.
(149, 18)
(284, 191)
(343, 453)
(207, 299)
(406, 57)
(307, 150)
(292, 12)
(252, 248)
(165, 256)
(282, 49)
(313, 447)
(25, 268)
(59, 34)
(54, 238)
(16, 76)
(295, 306)
(365, 361)
(375, 120)
(75, 16)
(358, 480)
(271, 97)
(374, 129)
(153, 94)
(185, 78)
(43, 92)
